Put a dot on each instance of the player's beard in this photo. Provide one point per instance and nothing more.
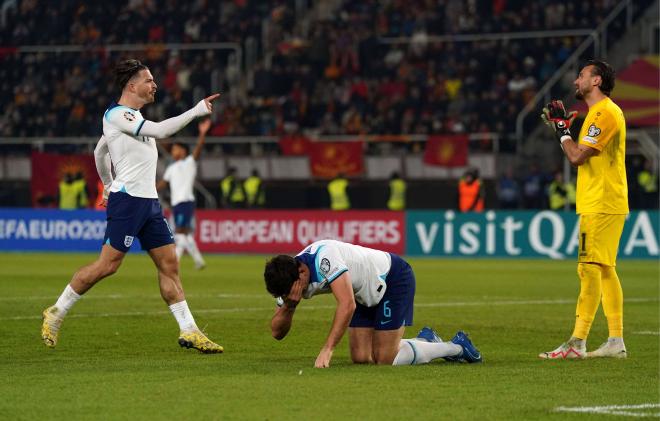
(148, 97)
(580, 93)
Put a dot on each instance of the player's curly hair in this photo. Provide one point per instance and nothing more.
(125, 70)
(606, 73)
(280, 274)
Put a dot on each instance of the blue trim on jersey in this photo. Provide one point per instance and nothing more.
(337, 276)
(308, 259)
(319, 276)
(112, 106)
(137, 132)
(123, 189)
(312, 261)
(115, 106)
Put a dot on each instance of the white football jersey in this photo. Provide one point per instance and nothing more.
(367, 269)
(181, 177)
(134, 157)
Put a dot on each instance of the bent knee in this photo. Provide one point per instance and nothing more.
(361, 359)
(169, 267)
(361, 356)
(384, 358)
(109, 268)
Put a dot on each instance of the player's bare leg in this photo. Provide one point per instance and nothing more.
(172, 292)
(386, 345)
(168, 274)
(360, 340)
(85, 278)
(107, 264)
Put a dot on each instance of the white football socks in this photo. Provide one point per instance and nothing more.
(181, 244)
(66, 300)
(191, 247)
(413, 351)
(183, 316)
(615, 340)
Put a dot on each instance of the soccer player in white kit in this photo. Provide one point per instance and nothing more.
(375, 294)
(180, 175)
(129, 145)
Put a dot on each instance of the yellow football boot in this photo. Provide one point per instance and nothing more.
(197, 340)
(50, 328)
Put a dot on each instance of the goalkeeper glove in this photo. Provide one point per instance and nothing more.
(556, 117)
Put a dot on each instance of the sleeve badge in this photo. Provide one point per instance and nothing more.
(325, 266)
(593, 131)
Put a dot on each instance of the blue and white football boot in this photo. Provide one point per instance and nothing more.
(470, 353)
(428, 334)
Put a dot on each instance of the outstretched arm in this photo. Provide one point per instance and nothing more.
(203, 127)
(343, 292)
(172, 125)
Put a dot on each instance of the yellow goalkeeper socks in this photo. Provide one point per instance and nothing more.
(612, 301)
(589, 299)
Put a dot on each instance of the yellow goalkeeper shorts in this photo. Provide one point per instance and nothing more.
(599, 238)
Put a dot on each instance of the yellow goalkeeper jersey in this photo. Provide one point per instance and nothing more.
(601, 181)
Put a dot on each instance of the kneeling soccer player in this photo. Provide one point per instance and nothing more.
(374, 290)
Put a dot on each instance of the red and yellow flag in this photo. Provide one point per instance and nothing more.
(331, 158)
(446, 150)
(49, 169)
(637, 90)
(294, 145)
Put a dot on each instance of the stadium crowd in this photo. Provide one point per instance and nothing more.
(64, 93)
(339, 79)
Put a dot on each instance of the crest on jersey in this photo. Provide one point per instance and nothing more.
(325, 266)
(128, 240)
(593, 130)
(129, 116)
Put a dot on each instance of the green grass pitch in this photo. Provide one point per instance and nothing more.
(118, 357)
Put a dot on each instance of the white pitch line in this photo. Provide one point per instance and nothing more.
(312, 307)
(624, 410)
(647, 332)
(441, 304)
(162, 312)
(122, 296)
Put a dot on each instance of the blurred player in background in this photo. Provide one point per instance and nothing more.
(375, 293)
(180, 175)
(133, 209)
(602, 203)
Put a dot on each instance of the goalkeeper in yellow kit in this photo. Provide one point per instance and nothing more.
(602, 203)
